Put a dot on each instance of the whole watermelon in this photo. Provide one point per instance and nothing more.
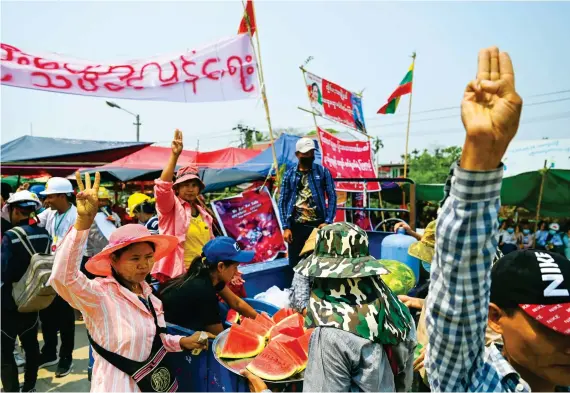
(401, 278)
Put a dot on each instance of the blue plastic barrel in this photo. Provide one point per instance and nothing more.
(396, 246)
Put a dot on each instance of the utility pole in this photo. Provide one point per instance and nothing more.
(246, 135)
(138, 124)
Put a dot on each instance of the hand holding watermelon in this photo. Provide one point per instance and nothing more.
(255, 383)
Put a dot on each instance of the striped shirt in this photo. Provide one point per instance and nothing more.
(114, 316)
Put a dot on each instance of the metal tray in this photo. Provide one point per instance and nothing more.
(236, 365)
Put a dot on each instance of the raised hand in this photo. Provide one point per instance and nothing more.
(177, 144)
(490, 111)
(87, 200)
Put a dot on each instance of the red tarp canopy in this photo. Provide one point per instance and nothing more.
(155, 158)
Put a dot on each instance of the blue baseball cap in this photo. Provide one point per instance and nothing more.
(225, 248)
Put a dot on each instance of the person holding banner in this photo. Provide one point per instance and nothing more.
(303, 204)
(180, 214)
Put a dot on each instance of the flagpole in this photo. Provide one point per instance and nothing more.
(409, 119)
(261, 80)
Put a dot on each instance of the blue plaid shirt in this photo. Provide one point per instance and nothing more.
(322, 187)
(458, 301)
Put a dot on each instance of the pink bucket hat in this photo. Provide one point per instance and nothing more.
(100, 264)
(188, 173)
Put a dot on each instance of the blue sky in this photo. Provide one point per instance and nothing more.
(355, 44)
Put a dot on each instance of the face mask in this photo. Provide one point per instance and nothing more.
(510, 230)
(526, 231)
(552, 232)
(306, 161)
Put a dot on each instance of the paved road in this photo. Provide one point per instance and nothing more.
(76, 381)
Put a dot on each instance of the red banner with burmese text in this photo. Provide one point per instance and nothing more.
(348, 159)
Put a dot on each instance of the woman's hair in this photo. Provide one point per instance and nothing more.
(196, 268)
(117, 254)
(145, 207)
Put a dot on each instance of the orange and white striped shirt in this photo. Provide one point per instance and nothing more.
(115, 317)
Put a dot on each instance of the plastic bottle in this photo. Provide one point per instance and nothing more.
(396, 247)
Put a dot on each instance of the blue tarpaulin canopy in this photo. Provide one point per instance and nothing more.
(60, 156)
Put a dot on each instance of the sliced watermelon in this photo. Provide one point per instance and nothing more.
(304, 340)
(274, 363)
(233, 317)
(255, 327)
(282, 314)
(265, 321)
(297, 351)
(294, 321)
(282, 337)
(291, 331)
(240, 344)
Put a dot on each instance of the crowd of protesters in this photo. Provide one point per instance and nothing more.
(493, 313)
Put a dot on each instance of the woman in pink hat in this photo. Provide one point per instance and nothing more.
(180, 214)
(125, 321)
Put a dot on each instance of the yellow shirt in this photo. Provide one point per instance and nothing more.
(197, 235)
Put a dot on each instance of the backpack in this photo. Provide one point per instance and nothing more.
(31, 293)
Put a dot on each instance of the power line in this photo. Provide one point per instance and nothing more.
(440, 117)
(538, 119)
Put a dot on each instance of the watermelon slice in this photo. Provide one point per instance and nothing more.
(233, 317)
(255, 327)
(265, 321)
(304, 340)
(294, 321)
(282, 314)
(274, 363)
(241, 344)
(282, 338)
(297, 351)
(291, 331)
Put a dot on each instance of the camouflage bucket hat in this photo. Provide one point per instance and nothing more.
(364, 306)
(425, 248)
(341, 252)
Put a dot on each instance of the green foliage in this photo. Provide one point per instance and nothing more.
(432, 168)
(329, 130)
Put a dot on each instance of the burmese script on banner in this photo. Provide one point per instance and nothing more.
(222, 71)
(348, 159)
(334, 102)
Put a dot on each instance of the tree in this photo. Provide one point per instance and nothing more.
(432, 168)
(377, 145)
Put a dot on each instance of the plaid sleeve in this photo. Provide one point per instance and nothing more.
(458, 300)
(331, 195)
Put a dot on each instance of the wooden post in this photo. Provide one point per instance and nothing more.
(261, 80)
(544, 170)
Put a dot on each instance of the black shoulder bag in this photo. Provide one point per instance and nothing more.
(151, 375)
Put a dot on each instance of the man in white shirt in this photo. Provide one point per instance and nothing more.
(59, 316)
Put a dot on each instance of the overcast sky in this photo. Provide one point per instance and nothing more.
(355, 44)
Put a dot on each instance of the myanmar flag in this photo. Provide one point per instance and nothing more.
(404, 88)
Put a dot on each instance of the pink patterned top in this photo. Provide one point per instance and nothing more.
(114, 316)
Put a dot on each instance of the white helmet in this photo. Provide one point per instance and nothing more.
(554, 226)
(24, 199)
(58, 185)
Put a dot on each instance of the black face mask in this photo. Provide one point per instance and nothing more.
(306, 162)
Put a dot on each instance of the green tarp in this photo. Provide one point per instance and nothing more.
(522, 191)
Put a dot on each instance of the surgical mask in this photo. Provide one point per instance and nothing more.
(552, 232)
(510, 230)
(306, 161)
(526, 231)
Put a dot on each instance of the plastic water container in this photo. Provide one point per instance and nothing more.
(396, 247)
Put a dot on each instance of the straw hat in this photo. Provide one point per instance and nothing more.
(425, 248)
(100, 264)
